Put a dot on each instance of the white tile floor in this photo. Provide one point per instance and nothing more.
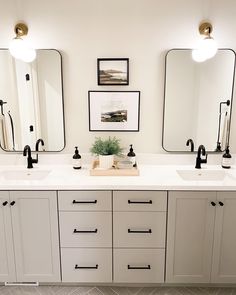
(67, 290)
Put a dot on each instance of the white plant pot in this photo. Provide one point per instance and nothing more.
(106, 161)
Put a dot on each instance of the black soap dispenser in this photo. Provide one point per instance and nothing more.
(76, 159)
(226, 159)
(131, 156)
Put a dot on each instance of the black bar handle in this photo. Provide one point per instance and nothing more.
(132, 231)
(85, 231)
(86, 267)
(12, 203)
(139, 267)
(221, 203)
(4, 203)
(139, 202)
(84, 202)
(213, 204)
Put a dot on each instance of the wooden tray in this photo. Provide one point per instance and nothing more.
(95, 171)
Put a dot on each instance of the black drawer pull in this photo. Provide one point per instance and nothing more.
(139, 202)
(86, 267)
(4, 203)
(139, 267)
(84, 202)
(213, 204)
(76, 231)
(221, 203)
(133, 231)
(12, 203)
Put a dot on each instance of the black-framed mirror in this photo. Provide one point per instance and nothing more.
(198, 100)
(31, 101)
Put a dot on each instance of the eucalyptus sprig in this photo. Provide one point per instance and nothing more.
(110, 146)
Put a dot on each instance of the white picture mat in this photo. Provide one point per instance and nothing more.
(100, 101)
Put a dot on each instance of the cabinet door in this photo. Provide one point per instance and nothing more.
(190, 236)
(35, 232)
(224, 257)
(7, 263)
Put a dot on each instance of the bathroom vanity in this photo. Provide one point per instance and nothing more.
(69, 227)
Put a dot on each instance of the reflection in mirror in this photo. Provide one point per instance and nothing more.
(31, 101)
(198, 101)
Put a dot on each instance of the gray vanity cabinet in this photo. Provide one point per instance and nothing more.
(201, 237)
(31, 218)
(85, 219)
(224, 256)
(139, 234)
(7, 266)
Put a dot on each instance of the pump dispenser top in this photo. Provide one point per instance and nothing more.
(131, 152)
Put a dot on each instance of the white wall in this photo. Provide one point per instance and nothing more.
(142, 30)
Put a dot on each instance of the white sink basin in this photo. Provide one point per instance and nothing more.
(202, 175)
(28, 174)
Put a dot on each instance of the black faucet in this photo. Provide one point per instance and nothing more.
(190, 141)
(37, 148)
(30, 161)
(199, 160)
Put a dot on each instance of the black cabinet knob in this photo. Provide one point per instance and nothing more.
(5, 203)
(213, 204)
(221, 203)
(12, 203)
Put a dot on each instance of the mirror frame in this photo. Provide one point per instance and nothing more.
(63, 108)
(164, 101)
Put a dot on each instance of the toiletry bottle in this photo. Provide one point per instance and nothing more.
(76, 159)
(131, 155)
(226, 159)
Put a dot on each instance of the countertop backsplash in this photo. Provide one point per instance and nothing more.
(142, 158)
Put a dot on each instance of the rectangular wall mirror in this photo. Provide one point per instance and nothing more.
(31, 101)
(198, 100)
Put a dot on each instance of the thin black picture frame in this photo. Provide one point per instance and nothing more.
(105, 70)
(133, 110)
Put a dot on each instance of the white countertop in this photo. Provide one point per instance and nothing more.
(152, 177)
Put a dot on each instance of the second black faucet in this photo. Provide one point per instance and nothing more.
(27, 149)
(199, 160)
(30, 161)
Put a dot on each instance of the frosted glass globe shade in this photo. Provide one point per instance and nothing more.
(20, 49)
(208, 46)
(17, 47)
(28, 55)
(198, 55)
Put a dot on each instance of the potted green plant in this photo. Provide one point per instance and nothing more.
(105, 149)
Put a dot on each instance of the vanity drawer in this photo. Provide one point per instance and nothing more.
(139, 265)
(84, 200)
(139, 200)
(86, 265)
(139, 229)
(86, 229)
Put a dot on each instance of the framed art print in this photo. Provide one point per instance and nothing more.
(114, 110)
(113, 71)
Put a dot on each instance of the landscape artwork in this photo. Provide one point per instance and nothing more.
(113, 71)
(114, 110)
